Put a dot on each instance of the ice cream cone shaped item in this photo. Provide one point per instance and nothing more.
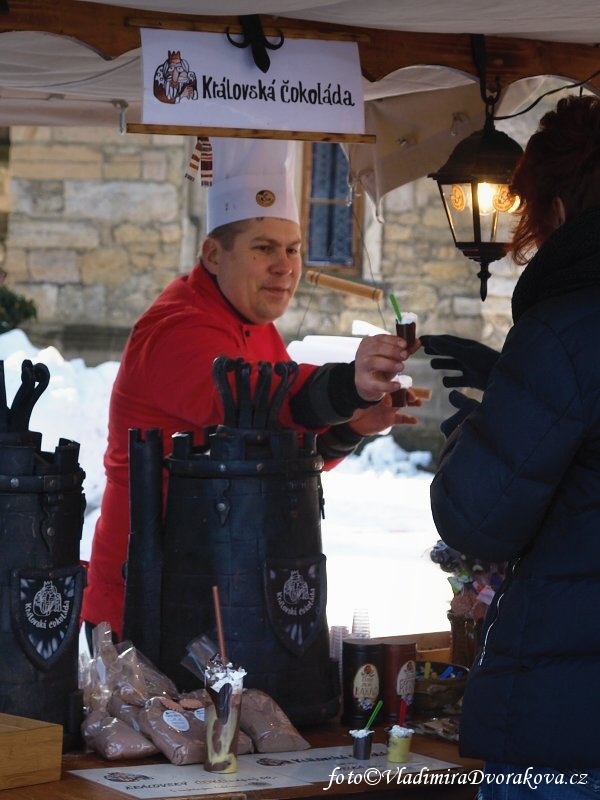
(400, 396)
(398, 741)
(406, 327)
(224, 685)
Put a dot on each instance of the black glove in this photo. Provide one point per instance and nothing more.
(473, 359)
(464, 405)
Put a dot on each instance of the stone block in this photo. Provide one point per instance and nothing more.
(56, 161)
(122, 167)
(170, 234)
(502, 287)
(23, 232)
(40, 197)
(15, 264)
(435, 217)
(128, 233)
(75, 303)
(55, 265)
(44, 295)
(154, 166)
(395, 232)
(467, 306)
(105, 265)
(122, 201)
(140, 261)
(166, 260)
(447, 272)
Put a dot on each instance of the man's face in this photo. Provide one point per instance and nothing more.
(260, 273)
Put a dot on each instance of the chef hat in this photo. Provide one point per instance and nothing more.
(251, 178)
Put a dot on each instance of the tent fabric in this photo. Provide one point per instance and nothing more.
(551, 20)
(418, 113)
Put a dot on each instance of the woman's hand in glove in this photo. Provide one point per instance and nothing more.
(474, 361)
(465, 406)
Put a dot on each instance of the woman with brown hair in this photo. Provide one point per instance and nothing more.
(519, 481)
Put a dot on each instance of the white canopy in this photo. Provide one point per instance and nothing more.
(418, 112)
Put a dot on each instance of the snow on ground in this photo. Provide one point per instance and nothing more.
(377, 534)
(377, 529)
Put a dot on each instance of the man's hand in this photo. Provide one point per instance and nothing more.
(375, 419)
(378, 359)
(473, 360)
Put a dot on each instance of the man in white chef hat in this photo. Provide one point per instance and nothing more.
(248, 269)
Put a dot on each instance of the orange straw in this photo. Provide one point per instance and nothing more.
(219, 621)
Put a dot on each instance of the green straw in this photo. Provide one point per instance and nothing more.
(376, 711)
(396, 307)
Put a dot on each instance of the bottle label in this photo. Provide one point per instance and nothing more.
(366, 687)
(405, 681)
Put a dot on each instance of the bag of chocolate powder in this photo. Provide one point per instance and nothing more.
(268, 726)
(126, 712)
(136, 679)
(179, 733)
(116, 740)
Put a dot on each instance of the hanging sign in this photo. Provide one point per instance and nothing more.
(200, 79)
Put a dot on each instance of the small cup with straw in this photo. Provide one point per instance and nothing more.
(362, 738)
(406, 323)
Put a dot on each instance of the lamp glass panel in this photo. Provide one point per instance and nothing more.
(457, 198)
(496, 212)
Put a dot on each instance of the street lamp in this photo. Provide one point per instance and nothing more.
(474, 184)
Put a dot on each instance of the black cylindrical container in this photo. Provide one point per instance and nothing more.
(362, 663)
(246, 518)
(41, 582)
(143, 573)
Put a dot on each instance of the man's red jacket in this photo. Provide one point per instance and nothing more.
(165, 381)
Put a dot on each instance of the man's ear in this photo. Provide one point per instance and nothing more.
(211, 254)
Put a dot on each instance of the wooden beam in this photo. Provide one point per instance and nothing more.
(114, 30)
(252, 133)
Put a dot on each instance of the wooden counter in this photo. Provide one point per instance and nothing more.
(73, 787)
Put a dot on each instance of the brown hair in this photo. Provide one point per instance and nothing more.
(225, 234)
(562, 159)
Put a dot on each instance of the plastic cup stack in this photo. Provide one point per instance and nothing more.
(361, 627)
(337, 634)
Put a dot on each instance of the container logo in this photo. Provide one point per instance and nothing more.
(405, 681)
(47, 601)
(295, 591)
(365, 689)
(45, 606)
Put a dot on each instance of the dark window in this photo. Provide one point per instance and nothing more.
(330, 214)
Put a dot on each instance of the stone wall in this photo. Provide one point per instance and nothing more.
(99, 223)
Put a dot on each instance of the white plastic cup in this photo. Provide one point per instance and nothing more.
(337, 634)
(361, 626)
